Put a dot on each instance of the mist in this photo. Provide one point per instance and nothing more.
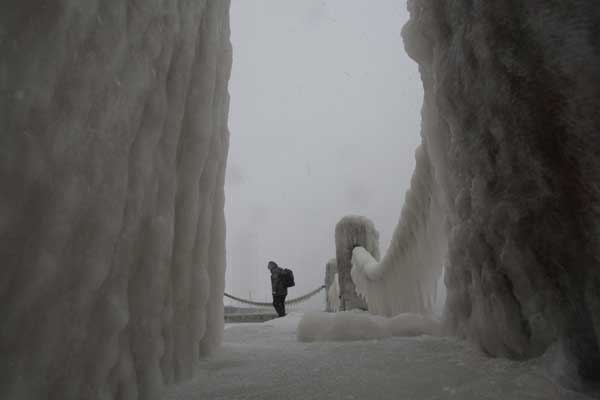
(324, 121)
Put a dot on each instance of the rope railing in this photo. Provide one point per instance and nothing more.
(289, 302)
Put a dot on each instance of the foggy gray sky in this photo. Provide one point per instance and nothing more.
(324, 120)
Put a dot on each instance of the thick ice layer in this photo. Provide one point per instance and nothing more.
(510, 132)
(504, 192)
(332, 287)
(406, 279)
(360, 325)
(112, 155)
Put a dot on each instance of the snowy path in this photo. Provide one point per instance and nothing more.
(264, 361)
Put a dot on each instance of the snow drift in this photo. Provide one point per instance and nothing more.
(112, 157)
(360, 325)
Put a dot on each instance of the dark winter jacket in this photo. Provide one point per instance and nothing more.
(277, 282)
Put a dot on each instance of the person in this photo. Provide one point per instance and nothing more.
(278, 288)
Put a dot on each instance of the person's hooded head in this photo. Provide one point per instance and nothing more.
(272, 265)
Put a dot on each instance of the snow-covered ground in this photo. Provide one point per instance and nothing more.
(265, 361)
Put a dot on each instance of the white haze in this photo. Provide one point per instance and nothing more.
(324, 120)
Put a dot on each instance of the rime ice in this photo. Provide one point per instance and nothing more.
(510, 135)
(112, 157)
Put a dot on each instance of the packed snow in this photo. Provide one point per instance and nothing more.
(114, 141)
(361, 325)
(267, 362)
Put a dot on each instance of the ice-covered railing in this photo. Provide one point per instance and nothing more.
(408, 277)
(296, 300)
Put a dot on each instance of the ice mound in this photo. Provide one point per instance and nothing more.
(287, 324)
(360, 325)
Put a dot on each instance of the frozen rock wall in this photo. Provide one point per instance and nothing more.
(112, 156)
(512, 132)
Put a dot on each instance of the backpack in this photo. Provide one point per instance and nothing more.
(287, 278)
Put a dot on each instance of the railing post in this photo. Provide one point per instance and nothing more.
(330, 271)
(350, 232)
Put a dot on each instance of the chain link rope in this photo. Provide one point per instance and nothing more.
(289, 302)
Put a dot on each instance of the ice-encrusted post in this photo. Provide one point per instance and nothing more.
(330, 272)
(350, 232)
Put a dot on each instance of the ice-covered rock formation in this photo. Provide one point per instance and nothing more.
(112, 155)
(511, 136)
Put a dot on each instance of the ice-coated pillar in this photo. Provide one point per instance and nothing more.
(352, 231)
(113, 144)
(330, 272)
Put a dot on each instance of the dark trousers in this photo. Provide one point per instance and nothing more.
(279, 304)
